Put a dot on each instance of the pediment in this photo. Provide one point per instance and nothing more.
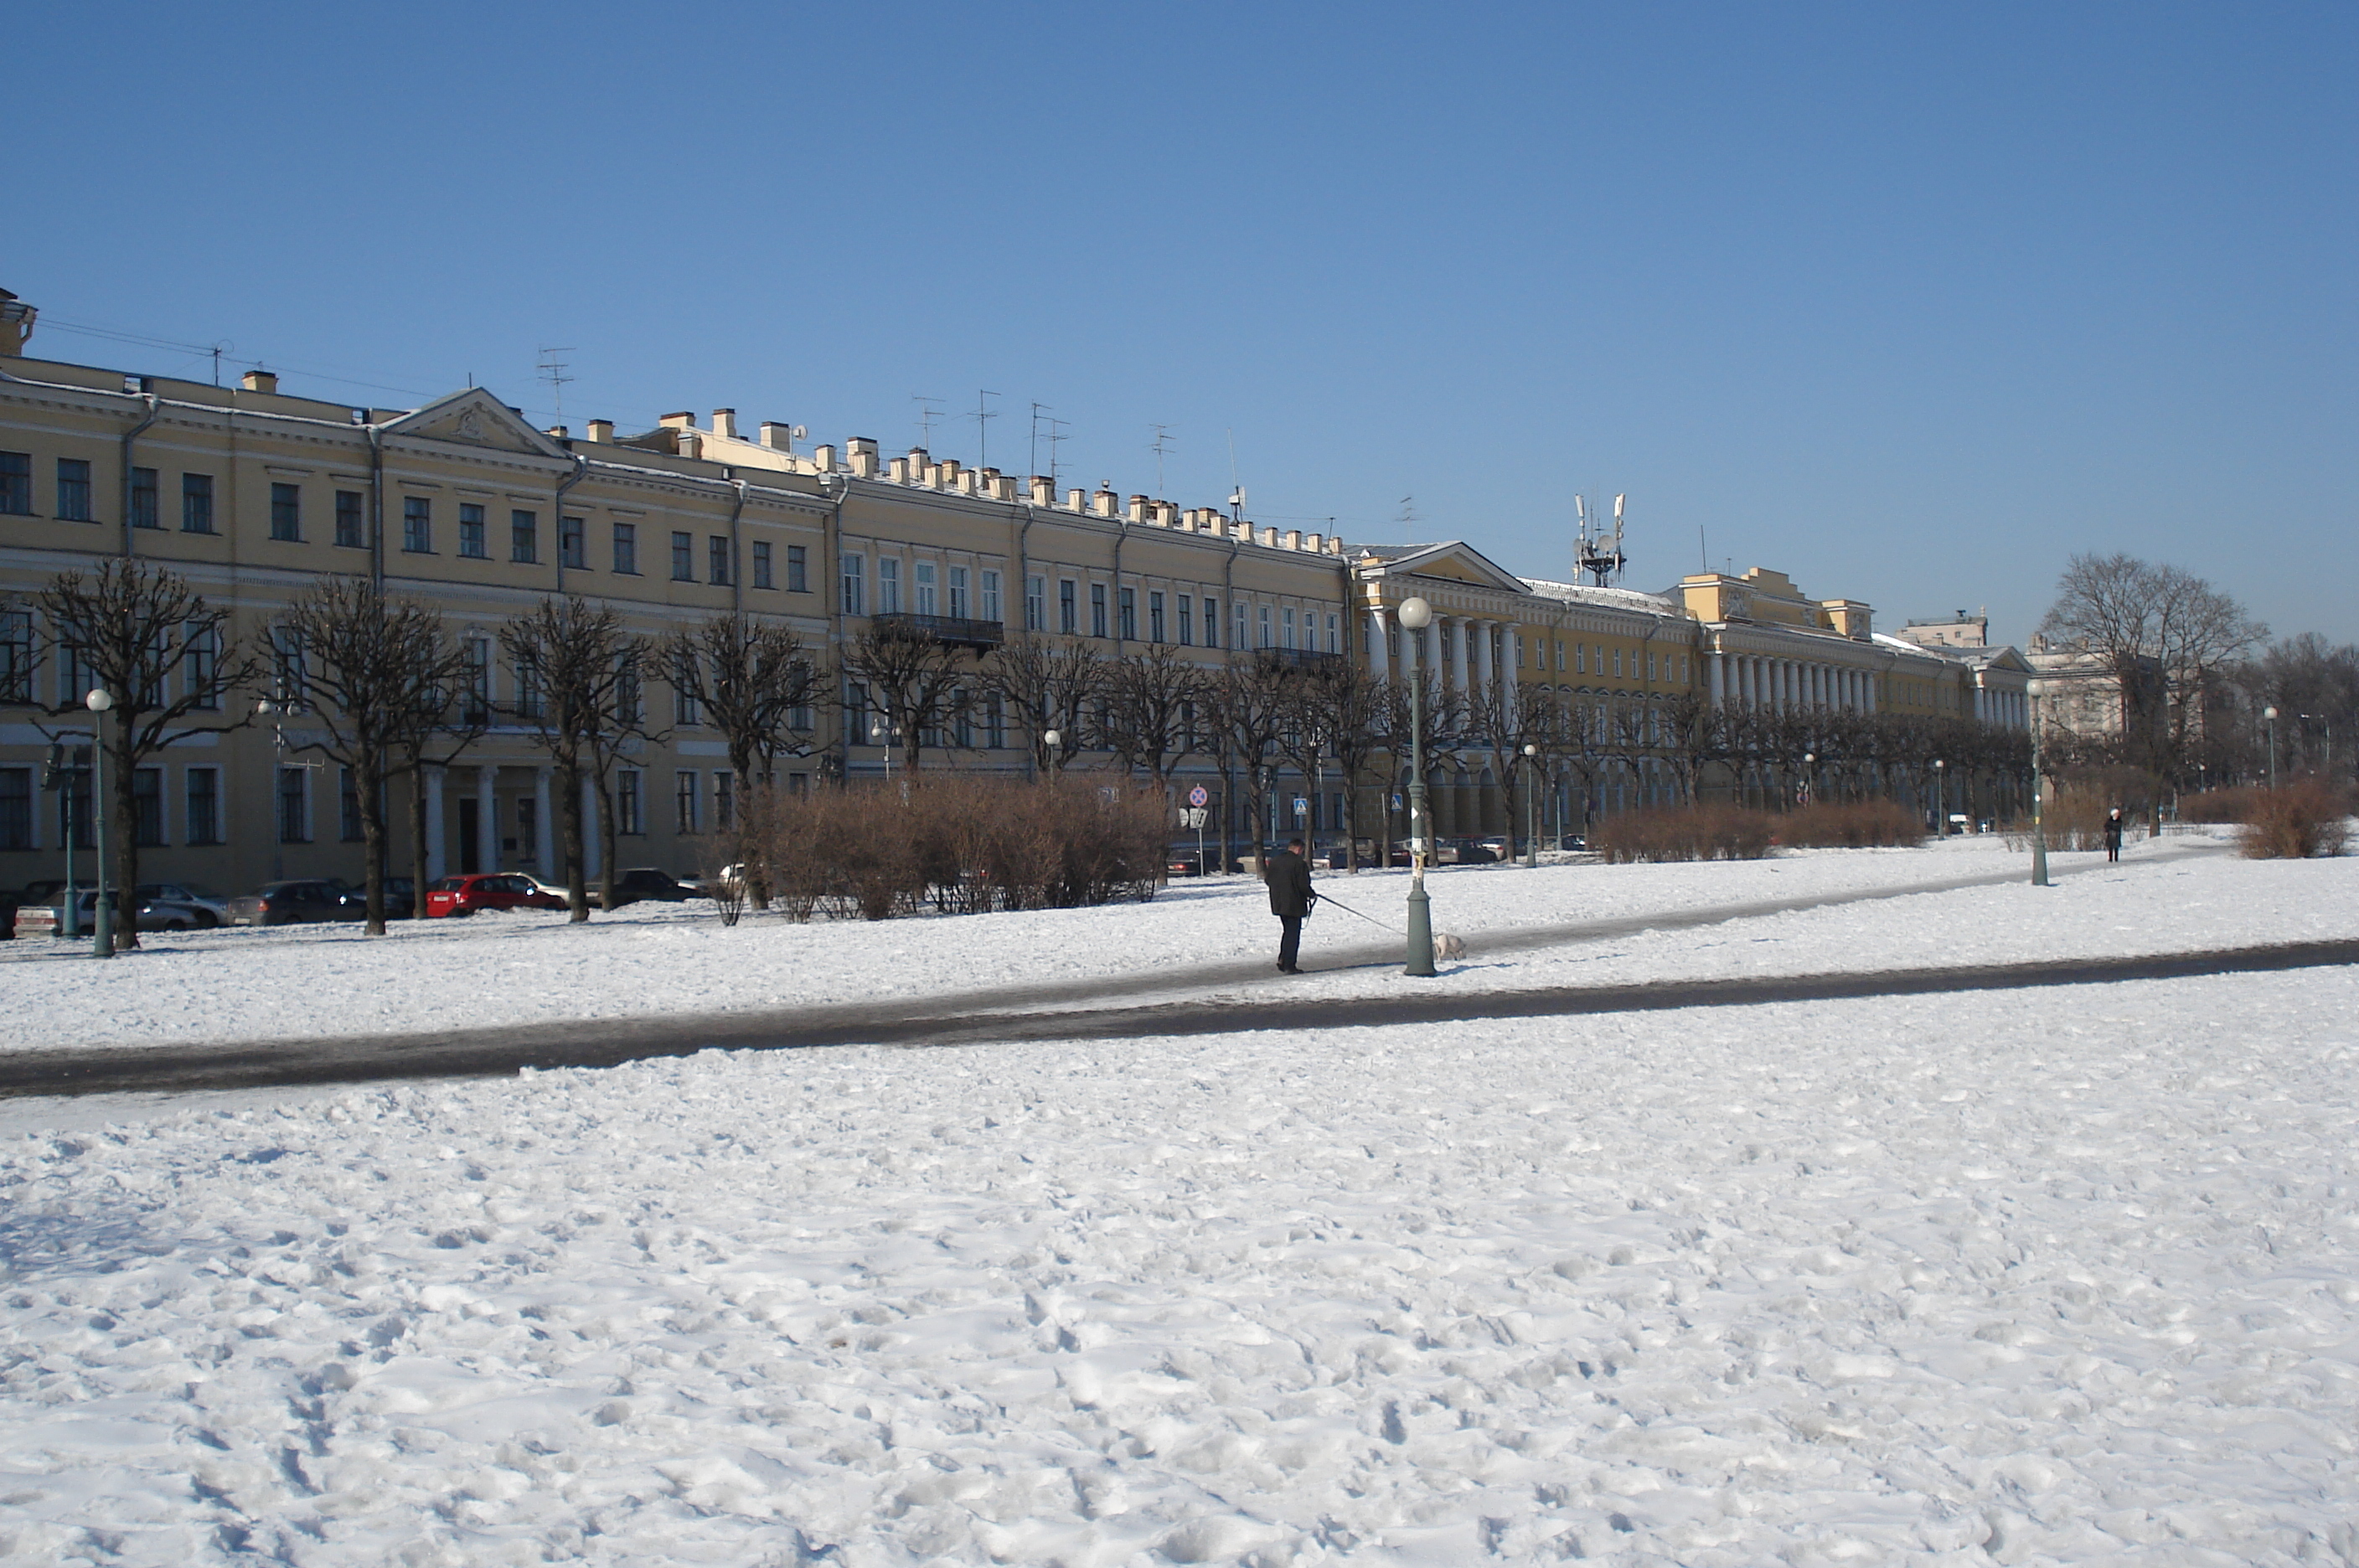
(475, 418)
(1456, 562)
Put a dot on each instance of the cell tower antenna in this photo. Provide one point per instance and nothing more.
(1597, 553)
(983, 418)
(1236, 485)
(926, 414)
(1159, 445)
(557, 373)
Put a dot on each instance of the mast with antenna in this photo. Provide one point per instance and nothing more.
(983, 418)
(926, 414)
(1236, 485)
(1159, 445)
(1596, 552)
(557, 373)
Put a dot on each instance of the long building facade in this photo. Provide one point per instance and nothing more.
(254, 496)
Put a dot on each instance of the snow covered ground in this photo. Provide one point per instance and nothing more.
(305, 981)
(2067, 1274)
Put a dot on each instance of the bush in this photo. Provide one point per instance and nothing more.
(2073, 815)
(1862, 824)
(1684, 832)
(2295, 822)
(965, 845)
(2218, 806)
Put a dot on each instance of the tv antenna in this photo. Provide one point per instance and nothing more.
(557, 373)
(1236, 485)
(983, 418)
(1596, 552)
(1057, 436)
(1159, 445)
(926, 414)
(1038, 409)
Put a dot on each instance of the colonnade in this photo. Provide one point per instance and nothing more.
(1478, 655)
(1765, 680)
(487, 821)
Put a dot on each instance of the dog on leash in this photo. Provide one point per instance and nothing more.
(1448, 946)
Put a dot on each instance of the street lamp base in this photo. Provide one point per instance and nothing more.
(1421, 929)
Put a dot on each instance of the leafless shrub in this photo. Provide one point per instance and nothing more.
(1850, 824)
(1711, 831)
(2295, 822)
(2231, 805)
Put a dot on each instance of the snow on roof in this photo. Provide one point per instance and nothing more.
(1605, 598)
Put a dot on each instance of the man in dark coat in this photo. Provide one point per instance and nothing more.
(1290, 898)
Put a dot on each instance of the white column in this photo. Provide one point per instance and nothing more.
(593, 843)
(544, 856)
(1486, 669)
(1380, 653)
(1514, 673)
(1458, 657)
(437, 839)
(487, 818)
(1718, 677)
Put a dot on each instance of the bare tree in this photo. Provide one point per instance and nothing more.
(920, 681)
(1149, 701)
(1047, 685)
(1248, 706)
(1440, 719)
(578, 676)
(1342, 704)
(2164, 635)
(369, 668)
(165, 655)
(754, 683)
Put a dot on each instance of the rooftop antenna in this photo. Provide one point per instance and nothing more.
(1596, 552)
(1056, 437)
(983, 418)
(557, 373)
(926, 414)
(1236, 485)
(1159, 445)
(223, 347)
(1038, 409)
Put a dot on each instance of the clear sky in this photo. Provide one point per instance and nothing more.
(1911, 301)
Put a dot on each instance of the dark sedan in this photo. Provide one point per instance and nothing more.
(296, 902)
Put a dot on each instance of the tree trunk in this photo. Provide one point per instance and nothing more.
(123, 808)
(372, 785)
(418, 857)
(568, 817)
(606, 836)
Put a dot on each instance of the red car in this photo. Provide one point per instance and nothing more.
(466, 894)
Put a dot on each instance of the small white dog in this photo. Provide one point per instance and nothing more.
(1448, 946)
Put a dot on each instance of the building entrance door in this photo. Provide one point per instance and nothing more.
(470, 840)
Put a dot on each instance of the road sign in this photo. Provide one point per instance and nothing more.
(1396, 800)
(1192, 816)
(1199, 795)
(1301, 806)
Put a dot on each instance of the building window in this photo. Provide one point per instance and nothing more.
(889, 585)
(724, 802)
(630, 811)
(990, 606)
(418, 525)
(1211, 622)
(573, 543)
(196, 503)
(478, 652)
(1288, 627)
(197, 668)
(348, 805)
(1187, 620)
(925, 586)
(351, 532)
(684, 800)
(1154, 617)
(148, 807)
(16, 484)
(287, 513)
(473, 541)
(685, 709)
(524, 537)
(73, 490)
(716, 557)
(1097, 609)
(798, 569)
(627, 550)
(1129, 602)
(958, 593)
(994, 721)
(762, 563)
(143, 509)
(16, 808)
(1069, 615)
(16, 656)
(205, 805)
(1263, 620)
(294, 817)
(1333, 646)
(854, 597)
(684, 557)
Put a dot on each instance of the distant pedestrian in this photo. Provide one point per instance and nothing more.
(1290, 898)
(2113, 834)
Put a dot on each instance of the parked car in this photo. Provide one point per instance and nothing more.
(645, 884)
(148, 914)
(1500, 846)
(400, 899)
(211, 907)
(1186, 860)
(1461, 852)
(478, 892)
(297, 901)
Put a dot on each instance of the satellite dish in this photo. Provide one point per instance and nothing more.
(799, 433)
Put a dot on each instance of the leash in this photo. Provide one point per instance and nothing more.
(1329, 898)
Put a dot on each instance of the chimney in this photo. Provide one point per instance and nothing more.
(1138, 508)
(861, 453)
(951, 472)
(677, 422)
(724, 423)
(1107, 501)
(690, 442)
(934, 476)
(968, 480)
(1003, 487)
(823, 458)
(1335, 544)
(1268, 537)
(1294, 539)
(260, 381)
(601, 429)
(1044, 490)
(777, 437)
(1314, 545)
(898, 471)
(559, 433)
(1076, 501)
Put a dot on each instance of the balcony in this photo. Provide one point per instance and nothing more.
(979, 636)
(1300, 658)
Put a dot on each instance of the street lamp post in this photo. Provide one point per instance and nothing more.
(1531, 804)
(2271, 716)
(1415, 615)
(1940, 798)
(102, 941)
(277, 714)
(2035, 690)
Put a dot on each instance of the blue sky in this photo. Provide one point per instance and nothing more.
(1911, 301)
